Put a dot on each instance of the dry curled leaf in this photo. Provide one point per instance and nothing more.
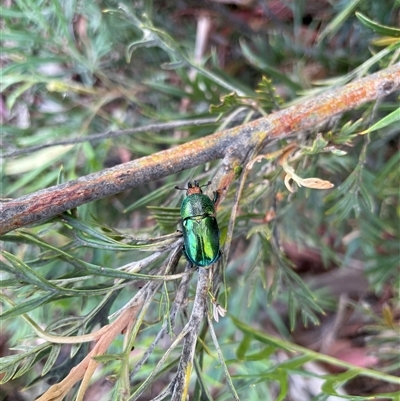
(312, 182)
(316, 183)
(218, 311)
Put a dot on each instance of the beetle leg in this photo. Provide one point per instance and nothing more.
(216, 196)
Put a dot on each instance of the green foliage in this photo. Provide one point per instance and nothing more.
(378, 28)
(264, 100)
(75, 69)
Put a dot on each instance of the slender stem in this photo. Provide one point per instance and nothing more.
(114, 134)
(222, 360)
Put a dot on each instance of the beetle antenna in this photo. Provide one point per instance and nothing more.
(206, 185)
(181, 189)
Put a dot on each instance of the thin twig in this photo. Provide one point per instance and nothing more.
(181, 296)
(221, 358)
(157, 127)
(160, 363)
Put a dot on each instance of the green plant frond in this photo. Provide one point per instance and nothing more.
(265, 99)
(26, 365)
(9, 373)
(378, 28)
(266, 95)
(149, 198)
(263, 229)
(27, 306)
(317, 146)
(167, 218)
(389, 120)
(230, 102)
(345, 197)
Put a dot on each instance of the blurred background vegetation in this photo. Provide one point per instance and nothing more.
(313, 268)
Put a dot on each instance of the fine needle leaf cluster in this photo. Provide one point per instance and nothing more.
(100, 303)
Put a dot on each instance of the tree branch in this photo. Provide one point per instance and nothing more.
(52, 201)
(180, 385)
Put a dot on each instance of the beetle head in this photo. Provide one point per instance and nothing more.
(194, 188)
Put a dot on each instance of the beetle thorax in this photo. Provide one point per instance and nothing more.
(197, 204)
(193, 190)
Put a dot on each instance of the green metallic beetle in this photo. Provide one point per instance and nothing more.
(199, 226)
